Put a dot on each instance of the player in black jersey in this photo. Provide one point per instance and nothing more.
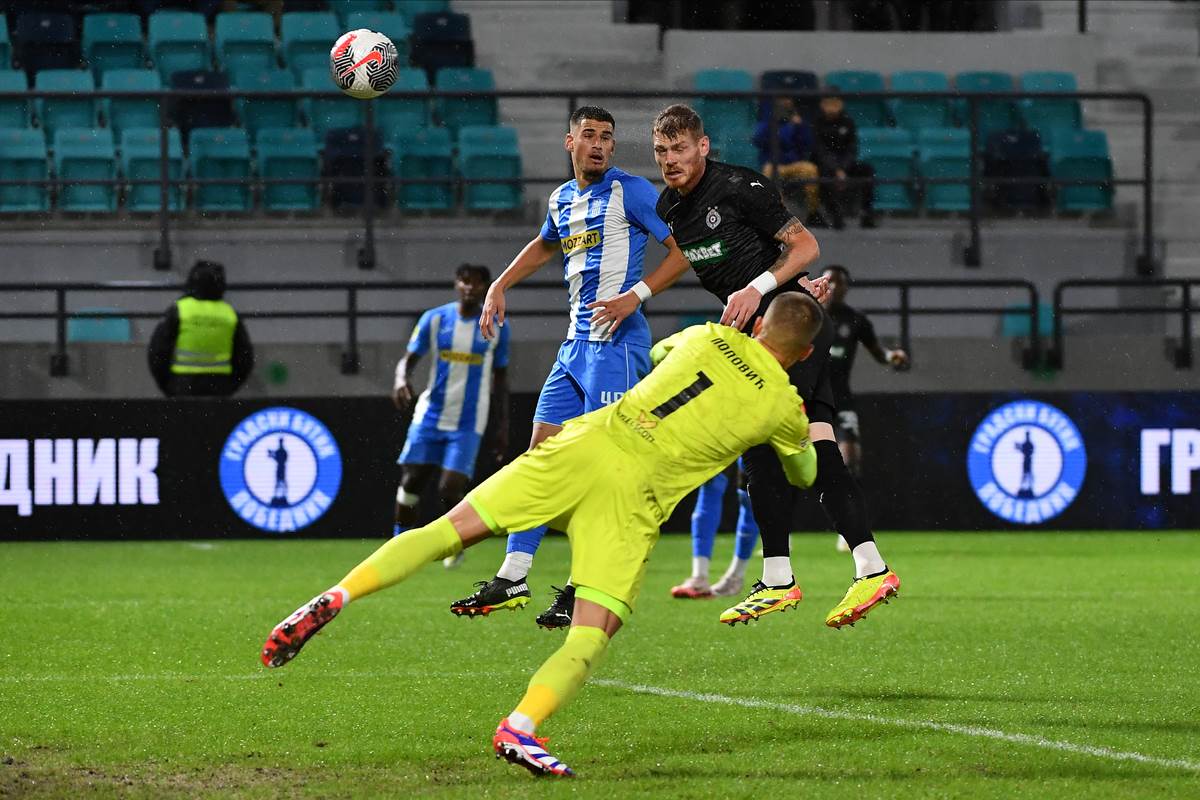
(745, 247)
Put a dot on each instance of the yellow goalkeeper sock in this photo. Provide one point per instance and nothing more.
(400, 557)
(558, 680)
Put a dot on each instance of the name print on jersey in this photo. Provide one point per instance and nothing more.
(737, 361)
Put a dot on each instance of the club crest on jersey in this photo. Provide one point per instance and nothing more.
(713, 218)
(1026, 462)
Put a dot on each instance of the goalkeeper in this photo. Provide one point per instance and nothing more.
(609, 479)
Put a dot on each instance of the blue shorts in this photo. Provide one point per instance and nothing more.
(589, 375)
(453, 450)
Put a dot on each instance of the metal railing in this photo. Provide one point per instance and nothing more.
(906, 308)
(972, 255)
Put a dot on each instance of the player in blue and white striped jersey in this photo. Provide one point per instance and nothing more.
(467, 383)
(600, 223)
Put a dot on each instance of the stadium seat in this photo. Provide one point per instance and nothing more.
(23, 158)
(391, 24)
(489, 151)
(326, 113)
(426, 153)
(1016, 154)
(140, 151)
(307, 37)
(1014, 322)
(1082, 155)
(99, 329)
(413, 8)
(739, 151)
(14, 113)
(793, 80)
(124, 113)
(84, 154)
(346, 157)
(205, 8)
(220, 153)
(994, 115)
(46, 41)
(178, 42)
(113, 41)
(289, 153)
(55, 113)
(258, 113)
(245, 41)
(456, 112)
(441, 39)
(346, 9)
(1046, 115)
(196, 112)
(915, 113)
(865, 113)
(945, 153)
(890, 152)
(396, 115)
(726, 119)
(5, 43)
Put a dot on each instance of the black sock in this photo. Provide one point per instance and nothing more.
(841, 496)
(771, 499)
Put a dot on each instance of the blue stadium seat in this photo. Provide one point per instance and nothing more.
(945, 153)
(307, 37)
(56, 113)
(14, 113)
(1048, 116)
(865, 113)
(140, 150)
(84, 154)
(289, 153)
(890, 152)
(726, 119)
(345, 156)
(391, 24)
(916, 113)
(790, 80)
(259, 113)
(994, 115)
(23, 158)
(46, 41)
(489, 151)
(1016, 154)
(456, 112)
(99, 329)
(1082, 155)
(178, 42)
(206, 112)
(327, 113)
(220, 153)
(426, 153)
(245, 42)
(396, 115)
(113, 41)
(441, 39)
(133, 112)
(5, 43)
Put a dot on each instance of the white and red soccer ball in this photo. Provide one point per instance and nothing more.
(363, 63)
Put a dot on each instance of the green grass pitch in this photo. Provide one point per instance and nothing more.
(1032, 665)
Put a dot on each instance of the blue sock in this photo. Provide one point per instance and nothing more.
(747, 528)
(398, 529)
(706, 517)
(526, 541)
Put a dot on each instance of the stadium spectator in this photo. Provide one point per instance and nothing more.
(201, 347)
(794, 152)
(837, 157)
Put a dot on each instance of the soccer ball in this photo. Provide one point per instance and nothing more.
(363, 63)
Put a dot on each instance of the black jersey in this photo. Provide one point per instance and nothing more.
(726, 228)
(850, 328)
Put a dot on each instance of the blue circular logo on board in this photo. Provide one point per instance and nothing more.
(1026, 462)
(280, 469)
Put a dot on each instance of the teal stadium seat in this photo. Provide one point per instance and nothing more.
(426, 153)
(113, 41)
(85, 154)
(396, 115)
(140, 149)
(123, 113)
(390, 23)
(740, 152)
(259, 113)
(346, 9)
(890, 152)
(915, 113)
(5, 43)
(1082, 155)
(326, 113)
(17, 113)
(1047, 115)
(489, 151)
(220, 153)
(945, 153)
(412, 8)
(994, 115)
(245, 42)
(23, 158)
(726, 119)
(55, 113)
(865, 113)
(178, 42)
(289, 153)
(99, 329)
(1014, 322)
(307, 38)
(457, 112)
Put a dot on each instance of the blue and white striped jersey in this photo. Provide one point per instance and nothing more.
(460, 374)
(602, 231)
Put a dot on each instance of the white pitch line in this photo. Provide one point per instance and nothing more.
(919, 724)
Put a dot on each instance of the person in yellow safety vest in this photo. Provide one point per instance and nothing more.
(201, 347)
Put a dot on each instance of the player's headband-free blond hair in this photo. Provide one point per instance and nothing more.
(678, 119)
(792, 321)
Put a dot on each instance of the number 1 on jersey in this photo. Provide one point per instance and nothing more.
(689, 393)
